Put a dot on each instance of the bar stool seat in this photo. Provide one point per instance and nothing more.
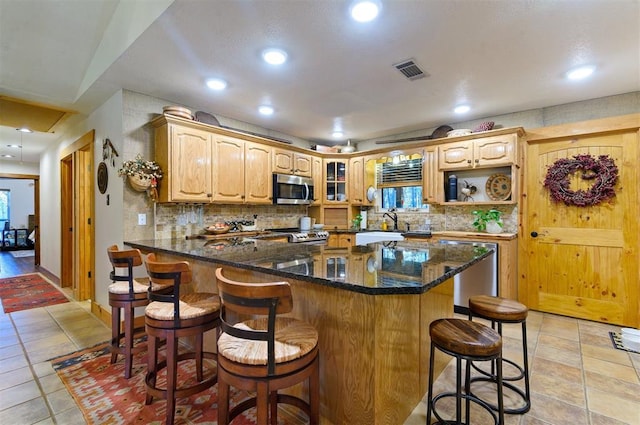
(170, 316)
(470, 341)
(503, 310)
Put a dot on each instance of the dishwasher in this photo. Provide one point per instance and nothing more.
(479, 279)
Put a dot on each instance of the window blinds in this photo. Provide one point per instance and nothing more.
(403, 173)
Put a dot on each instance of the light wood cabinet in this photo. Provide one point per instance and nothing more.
(258, 181)
(432, 179)
(356, 180)
(289, 162)
(335, 178)
(317, 168)
(242, 172)
(478, 153)
(184, 154)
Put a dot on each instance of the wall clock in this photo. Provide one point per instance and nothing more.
(103, 177)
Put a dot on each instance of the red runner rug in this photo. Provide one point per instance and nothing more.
(28, 291)
(105, 397)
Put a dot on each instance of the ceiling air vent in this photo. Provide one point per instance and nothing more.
(410, 70)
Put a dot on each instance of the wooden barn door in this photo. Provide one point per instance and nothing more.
(582, 261)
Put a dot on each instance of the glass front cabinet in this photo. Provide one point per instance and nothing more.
(15, 239)
(336, 180)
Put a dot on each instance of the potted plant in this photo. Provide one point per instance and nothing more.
(142, 175)
(488, 220)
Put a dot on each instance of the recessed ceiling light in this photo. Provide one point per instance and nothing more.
(462, 109)
(274, 56)
(24, 130)
(8, 156)
(265, 110)
(216, 84)
(580, 73)
(365, 11)
(13, 146)
(337, 134)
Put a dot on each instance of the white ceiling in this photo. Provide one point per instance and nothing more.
(498, 56)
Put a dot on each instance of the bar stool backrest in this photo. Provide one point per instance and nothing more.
(174, 273)
(126, 258)
(255, 299)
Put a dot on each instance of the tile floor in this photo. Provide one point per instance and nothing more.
(577, 377)
(30, 390)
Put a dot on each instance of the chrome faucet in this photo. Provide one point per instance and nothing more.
(393, 216)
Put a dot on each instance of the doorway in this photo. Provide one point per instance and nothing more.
(77, 210)
(36, 209)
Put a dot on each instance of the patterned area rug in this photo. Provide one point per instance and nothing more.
(105, 397)
(28, 291)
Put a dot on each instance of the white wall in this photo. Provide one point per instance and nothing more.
(14, 167)
(22, 201)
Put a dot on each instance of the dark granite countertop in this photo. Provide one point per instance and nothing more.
(381, 268)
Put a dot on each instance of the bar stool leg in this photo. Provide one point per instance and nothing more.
(115, 332)
(430, 397)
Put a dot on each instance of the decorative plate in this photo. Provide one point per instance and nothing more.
(371, 194)
(103, 177)
(498, 187)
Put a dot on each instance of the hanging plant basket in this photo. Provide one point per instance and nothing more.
(139, 183)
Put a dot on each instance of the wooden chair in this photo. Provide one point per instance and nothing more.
(266, 353)
(125, 293)
(173, 316)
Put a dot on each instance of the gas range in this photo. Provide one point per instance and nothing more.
(296, 235)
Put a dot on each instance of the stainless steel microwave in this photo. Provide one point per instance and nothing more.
(292, 190)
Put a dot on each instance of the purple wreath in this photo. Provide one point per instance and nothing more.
(603, 170)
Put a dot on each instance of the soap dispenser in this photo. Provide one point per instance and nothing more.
(384, 225)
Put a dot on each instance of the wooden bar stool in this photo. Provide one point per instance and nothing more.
(502, 310)
(126, 293)
(172, 316)
(264, 354)
(471, 341)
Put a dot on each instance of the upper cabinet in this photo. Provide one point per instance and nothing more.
(432, 179)
(336, 180)
(478, 153)
(184, 154)
(317, 167)
(356, 180)
(235, 159)
(289, 162)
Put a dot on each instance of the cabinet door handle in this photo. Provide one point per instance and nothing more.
(468, 161)
(477, 160)
(534, 234)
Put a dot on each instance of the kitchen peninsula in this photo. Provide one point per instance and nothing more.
(371, 304)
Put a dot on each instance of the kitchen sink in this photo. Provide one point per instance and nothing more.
(364, 238)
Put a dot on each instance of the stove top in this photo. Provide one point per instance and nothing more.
(309, 236)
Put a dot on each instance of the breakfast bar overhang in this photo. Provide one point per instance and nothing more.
(372, 306)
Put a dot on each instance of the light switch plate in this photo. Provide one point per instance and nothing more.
(142, 219)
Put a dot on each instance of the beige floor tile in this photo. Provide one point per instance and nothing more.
(10, 351)
(70, 416)
(13, 363)
(54, 339)
(559, 388)
(560, 327)
(60, 401)
(597, 419)
(614, 370)
(42, 369)
(15, 377)
(556, 412)
(18, 394)
(9, 340)
(551, 341)
(48, 353)
(603, 339)
(609, 354)
(50, 383)
(610, 405)
(566, 357)
(30, 412)
(618, 387)
(49, 421)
